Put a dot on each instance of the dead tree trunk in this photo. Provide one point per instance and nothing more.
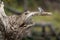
(12, 27)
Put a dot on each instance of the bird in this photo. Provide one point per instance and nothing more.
(40, 9)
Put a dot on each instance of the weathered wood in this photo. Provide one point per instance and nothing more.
(12, 25)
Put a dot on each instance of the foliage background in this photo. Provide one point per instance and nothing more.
(48, 5)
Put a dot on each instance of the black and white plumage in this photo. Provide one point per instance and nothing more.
(40, 9)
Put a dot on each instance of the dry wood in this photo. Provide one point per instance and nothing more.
(12, 25)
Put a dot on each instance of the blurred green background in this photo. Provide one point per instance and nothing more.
(48, 5)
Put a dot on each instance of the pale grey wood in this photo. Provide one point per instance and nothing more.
(12, 24)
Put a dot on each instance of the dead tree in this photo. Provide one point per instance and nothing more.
(13, 27)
